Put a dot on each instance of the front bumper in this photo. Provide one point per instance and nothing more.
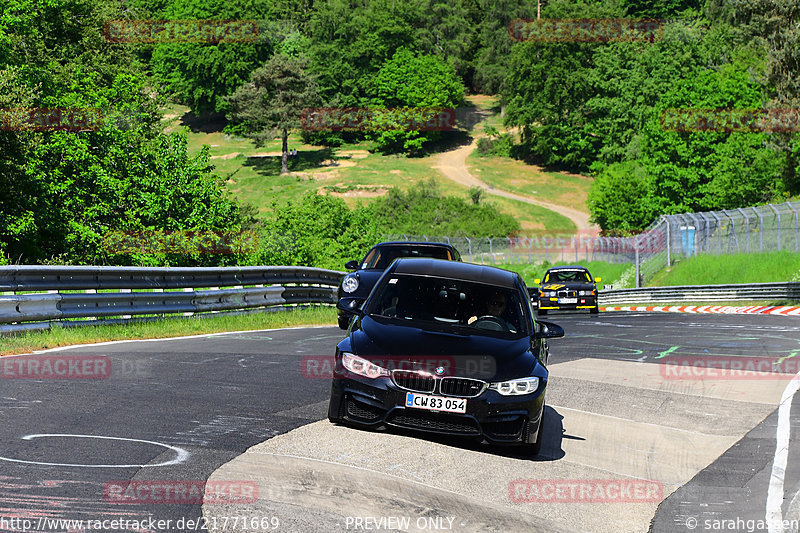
(583, 302)
(379, 402)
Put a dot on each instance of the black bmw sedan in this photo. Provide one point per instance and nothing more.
(449, 348)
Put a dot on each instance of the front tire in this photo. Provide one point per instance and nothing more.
(594, 310)
(533, 449)
(541, 312)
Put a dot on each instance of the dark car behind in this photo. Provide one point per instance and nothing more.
(359, 283)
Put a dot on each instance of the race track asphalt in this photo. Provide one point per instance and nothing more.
(243, 403)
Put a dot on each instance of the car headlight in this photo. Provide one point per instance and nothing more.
(350, 283)
(583, 293)
(362, 367)
(516, 387)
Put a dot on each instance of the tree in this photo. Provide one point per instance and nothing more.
(408, 80)
(699, 170)
(201, 75)
(620, 199)
(273, 101)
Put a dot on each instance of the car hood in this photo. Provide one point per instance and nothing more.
(476, 356)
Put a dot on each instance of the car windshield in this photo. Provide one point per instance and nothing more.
(383, 256)
(580, 276)
(447, 303)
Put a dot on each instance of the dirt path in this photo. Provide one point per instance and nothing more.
(453, 164)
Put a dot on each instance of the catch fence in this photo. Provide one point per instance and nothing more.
(771, 227)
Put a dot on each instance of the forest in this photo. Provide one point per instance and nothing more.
(593, 103)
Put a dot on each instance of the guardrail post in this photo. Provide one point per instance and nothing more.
(719, 232)
(733, 232)
(760, 229)
(511, 250)
(491, 252)
(636, 259)
(469, 246)
(789, 204)
(746, 227)
(778, 215)
(667, 222)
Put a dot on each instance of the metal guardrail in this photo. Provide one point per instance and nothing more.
(705, 293)
(165, 291)
(274, 286)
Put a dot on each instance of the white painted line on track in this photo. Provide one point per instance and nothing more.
(181, 456)
(775, 492)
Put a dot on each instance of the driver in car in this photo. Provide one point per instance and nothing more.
(496, 306)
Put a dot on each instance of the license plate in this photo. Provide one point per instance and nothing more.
(567, 300)
(436, 403)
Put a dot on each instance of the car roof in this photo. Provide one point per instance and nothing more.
(568, 267)
(413, 243)
(454, 270)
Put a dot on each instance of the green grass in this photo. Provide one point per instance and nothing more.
(607, 272)
(175, 327)
(741, 268)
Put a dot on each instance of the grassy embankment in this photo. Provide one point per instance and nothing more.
(742, 268)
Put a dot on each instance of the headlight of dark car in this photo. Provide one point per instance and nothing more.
(516, 387)
(362, 367)
(350, 283)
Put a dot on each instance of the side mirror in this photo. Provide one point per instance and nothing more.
(351, 265)
(537, 281)
(351, 305)
(549, 331)
(598, 280)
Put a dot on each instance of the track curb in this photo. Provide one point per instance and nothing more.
(716, 309)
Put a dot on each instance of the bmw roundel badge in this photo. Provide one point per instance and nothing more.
(439, 370)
